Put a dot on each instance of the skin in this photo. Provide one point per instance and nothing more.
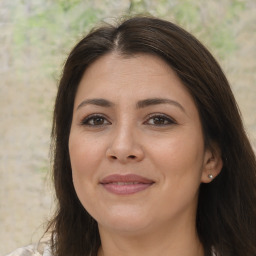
(162, 142)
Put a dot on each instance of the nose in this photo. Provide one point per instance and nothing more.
(125, 146)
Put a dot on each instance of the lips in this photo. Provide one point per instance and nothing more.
(125, 184)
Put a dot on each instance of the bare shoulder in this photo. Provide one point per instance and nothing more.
(41, 249)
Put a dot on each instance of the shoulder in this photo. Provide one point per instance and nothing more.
(40, 249)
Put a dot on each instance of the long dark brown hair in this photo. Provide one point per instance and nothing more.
(226, 216)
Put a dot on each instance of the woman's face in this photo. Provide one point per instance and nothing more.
(136, 145)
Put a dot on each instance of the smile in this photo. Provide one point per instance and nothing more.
(126, 184)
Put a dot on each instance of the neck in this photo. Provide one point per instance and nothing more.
(178, 241)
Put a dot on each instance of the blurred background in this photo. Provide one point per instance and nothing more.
(35, 39)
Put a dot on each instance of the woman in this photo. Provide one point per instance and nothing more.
(150, 154)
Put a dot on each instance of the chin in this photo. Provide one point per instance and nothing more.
(124, 221)
(129, 228)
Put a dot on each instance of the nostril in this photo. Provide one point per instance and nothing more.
(132, 156)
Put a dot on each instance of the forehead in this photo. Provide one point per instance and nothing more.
(119, 78)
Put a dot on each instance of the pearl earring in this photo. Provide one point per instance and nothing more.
(210, 176)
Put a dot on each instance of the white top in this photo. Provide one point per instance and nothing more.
(41, 249)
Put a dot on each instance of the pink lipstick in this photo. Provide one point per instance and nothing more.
(125, 184)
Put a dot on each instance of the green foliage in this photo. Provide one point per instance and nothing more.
(223, 40)
(203, 21)
(137, 6)
(199, 17)
(236, 7)
(46, 30)
(187, 12)
(66, 5)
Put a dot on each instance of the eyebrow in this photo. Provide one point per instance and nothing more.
(97, 102)
(158, 101)
(140, 104)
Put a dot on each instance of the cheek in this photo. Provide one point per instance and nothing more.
(179, 155)
(85, 157)
(180, 148)
(84, 153)
(180, 162)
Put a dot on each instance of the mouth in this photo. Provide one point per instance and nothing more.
(125, 184)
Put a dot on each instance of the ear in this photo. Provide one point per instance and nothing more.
(212, 164)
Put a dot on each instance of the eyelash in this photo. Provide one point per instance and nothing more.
(170, 121)
(164, 118)
(89, 118)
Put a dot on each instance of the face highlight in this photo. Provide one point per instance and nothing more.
(136, 145)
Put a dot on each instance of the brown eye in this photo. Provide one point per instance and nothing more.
(160, 120)
(95, 120)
